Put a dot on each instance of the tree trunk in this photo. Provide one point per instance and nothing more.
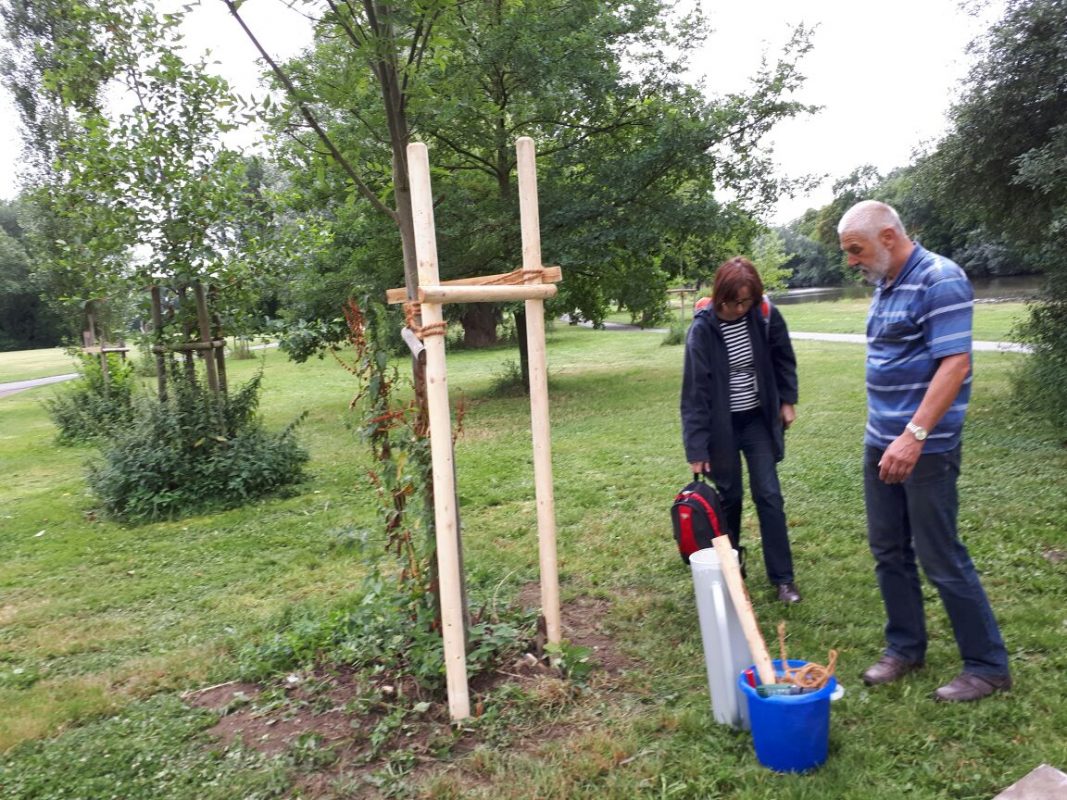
(479, 325)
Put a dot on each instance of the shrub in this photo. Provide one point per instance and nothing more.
(192, 452)
(92, 407)
(1041, 378)
(675, 335)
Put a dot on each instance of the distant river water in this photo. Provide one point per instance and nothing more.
(1011, 287)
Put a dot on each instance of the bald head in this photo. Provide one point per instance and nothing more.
(869, 218)
(874, 240)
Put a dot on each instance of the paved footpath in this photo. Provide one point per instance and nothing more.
(18, 386)
(849, 338)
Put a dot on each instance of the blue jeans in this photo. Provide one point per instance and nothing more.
(752, 438)
(917, 518)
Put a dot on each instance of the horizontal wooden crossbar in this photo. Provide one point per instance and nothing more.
(185, 346)
(513, 278)
(485, 294)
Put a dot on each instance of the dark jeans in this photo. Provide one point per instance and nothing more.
(917, 518)
(754, 440)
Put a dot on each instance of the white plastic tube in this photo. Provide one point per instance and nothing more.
(726, 653)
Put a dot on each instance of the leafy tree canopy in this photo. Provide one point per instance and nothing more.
(634, 168)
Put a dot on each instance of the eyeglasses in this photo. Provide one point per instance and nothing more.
(740, 304)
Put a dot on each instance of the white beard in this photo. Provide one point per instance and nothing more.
(878, 267)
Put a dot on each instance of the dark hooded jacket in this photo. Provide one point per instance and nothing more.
(707, 431)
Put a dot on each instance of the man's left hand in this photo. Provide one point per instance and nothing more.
(899, 459)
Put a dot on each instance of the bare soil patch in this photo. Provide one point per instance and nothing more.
(338, 727)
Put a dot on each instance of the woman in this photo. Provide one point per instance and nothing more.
(738, 392)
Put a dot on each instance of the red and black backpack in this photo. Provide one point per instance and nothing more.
(697, 516)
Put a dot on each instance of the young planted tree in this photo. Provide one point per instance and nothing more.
(135, 191)
(630, 156)
(146, 195)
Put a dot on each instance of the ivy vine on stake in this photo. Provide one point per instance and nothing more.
(399, 441)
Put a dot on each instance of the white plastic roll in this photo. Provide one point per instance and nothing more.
(726, 652)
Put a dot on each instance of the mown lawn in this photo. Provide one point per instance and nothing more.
(24, 365)
(102, 625)
(994, 322)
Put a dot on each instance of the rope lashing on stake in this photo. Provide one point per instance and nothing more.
(535, 272)
(413, 309)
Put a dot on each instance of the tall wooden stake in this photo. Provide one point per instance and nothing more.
(157, 327)
(440, 440)
(203, 320)
(535, 338)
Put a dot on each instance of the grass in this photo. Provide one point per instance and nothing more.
(992, 321)
(24, 365)
(103, 624)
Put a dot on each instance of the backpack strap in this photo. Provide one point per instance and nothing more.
(765, 307)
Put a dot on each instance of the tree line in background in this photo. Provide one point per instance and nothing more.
(635, 163)
(992, 194)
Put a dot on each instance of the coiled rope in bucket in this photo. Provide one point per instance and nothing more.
(809, 676)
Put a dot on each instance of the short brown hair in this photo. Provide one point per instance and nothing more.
(732, 276)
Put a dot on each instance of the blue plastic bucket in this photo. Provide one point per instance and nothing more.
(791, 733)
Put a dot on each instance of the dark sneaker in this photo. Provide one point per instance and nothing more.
(888, 669)
(788, 593)
(967, 686)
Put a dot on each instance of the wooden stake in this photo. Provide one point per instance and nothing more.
(99, 350)
(535, 338)
(217, 334)
(204, 322)
(161, 362)
(731, 573)
(440, 440)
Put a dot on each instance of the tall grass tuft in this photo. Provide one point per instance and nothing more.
(675, 335)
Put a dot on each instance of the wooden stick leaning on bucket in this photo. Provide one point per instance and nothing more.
(731, 572)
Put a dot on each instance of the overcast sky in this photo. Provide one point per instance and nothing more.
(884, 78)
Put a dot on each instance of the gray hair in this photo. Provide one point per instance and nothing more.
(870, 217)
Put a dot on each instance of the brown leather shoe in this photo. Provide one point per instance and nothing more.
(967, 686)
(788, 593)
(888, 669)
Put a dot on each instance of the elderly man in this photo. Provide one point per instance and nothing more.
(918, 385)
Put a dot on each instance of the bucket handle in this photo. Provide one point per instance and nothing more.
(837, 693)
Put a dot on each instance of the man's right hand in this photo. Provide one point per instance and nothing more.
(700, 467)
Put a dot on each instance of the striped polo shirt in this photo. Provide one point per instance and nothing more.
(918, 319)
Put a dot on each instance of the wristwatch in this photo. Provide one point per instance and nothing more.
(917, 431)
